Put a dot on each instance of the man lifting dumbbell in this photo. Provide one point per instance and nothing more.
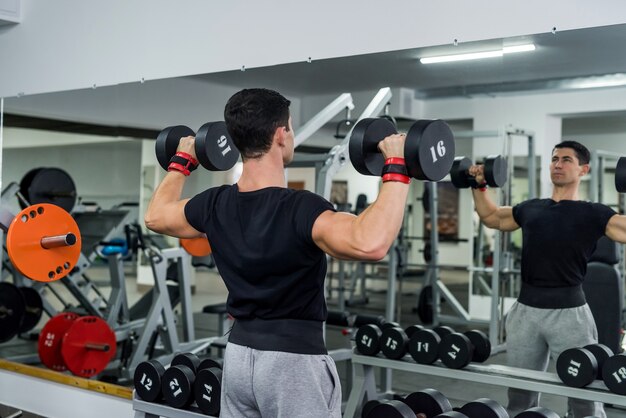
(559, 234)
(270, 244)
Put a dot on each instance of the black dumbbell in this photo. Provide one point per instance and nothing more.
(147, 380)
(428, 149)
(367, 339)
(207, 389)
(214, 147)
(424, 344)
(495, 169)
(614, 373)
(578, 367)
(457, 350)
(188, 359)
(620, 175)
(389, 409)
(429, 402)
(177, 386)
(484, 408)
(538, 412)
(393, 342)
(209, 362)
(411, 329)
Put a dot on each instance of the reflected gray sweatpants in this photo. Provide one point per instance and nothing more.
(275, 384)
(534, 335)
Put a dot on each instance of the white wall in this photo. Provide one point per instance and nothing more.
(107, 173)
(69, 44)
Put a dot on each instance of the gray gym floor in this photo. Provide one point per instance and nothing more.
(209, 289)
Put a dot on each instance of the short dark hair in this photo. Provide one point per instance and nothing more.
(582, 153)
(252, 116)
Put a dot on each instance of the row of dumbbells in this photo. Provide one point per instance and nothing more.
(455, 350)
(430, 403)
(188, 379)
(579, 367)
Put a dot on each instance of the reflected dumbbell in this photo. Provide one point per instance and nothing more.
(495, 170)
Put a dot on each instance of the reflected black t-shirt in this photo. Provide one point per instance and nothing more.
(263, 248)
(558, 239)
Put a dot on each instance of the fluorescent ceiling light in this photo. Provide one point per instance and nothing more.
(478, 55)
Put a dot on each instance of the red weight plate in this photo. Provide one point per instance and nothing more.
(51, 338)
(24, 242)
(88, 346)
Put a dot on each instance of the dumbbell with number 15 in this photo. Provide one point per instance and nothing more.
(428, 149)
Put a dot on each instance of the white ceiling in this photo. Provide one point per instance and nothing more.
(559, 56)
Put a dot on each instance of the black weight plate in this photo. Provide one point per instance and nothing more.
(177, 386)
(25, 184)
(12, 310)
(49, 185)
(429, 150)
(459, 173)
(456, 350)
(481, 343)
(209, 362)
(391, 409)
(167, 143)
(538, 412)
(393, 342)
(443, 330)
(424, 346)
(188, 359)
(495, 171)
(207, 389)
(601, 352)
(620, 175)
(614, 374)
(363, 146)
(484, 408)
(577, 367)
(411, 329)
(147, 380)
(368, 406)
(367, 339)
(392, 324)
(215, 149)
(33, 310)
(428, 401)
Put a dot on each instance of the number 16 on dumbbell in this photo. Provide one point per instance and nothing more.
(213, 145)
(428, 149)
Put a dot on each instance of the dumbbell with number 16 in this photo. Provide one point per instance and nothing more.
(428, 149)
(213, 145)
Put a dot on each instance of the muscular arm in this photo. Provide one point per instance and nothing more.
(367, 236)
(166, 212)
(492, 216)
(616, 228)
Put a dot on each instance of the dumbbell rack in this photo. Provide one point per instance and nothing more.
(145, 409)
(364, 383)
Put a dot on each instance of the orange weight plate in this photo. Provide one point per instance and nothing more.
(88, 346)
(198, 247)
(24, 242)
(51, 340)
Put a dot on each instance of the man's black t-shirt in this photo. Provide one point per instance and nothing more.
(558, 239)
(263, 248)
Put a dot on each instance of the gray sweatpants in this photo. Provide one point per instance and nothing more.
(275, 384)
(533, 335)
